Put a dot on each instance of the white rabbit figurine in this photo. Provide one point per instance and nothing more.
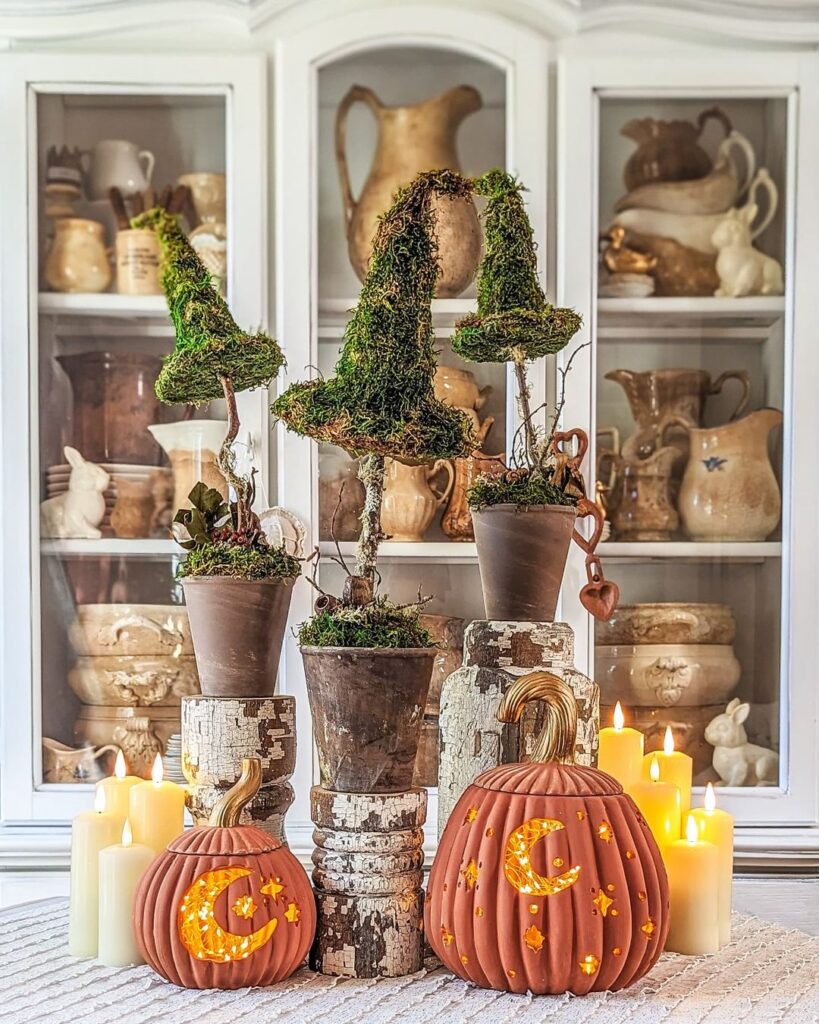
(742, 269)
(79, 511)
(736, 761)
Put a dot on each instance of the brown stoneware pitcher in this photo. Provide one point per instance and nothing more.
(411, 140)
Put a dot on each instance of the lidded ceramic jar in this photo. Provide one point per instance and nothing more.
(77, 260)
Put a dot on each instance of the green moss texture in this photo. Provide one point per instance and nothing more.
(379, 624)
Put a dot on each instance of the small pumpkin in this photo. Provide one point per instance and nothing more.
(547, 878)
(226, 905)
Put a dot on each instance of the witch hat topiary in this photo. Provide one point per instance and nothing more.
(381, 399)
(210, 346)
(514, 322)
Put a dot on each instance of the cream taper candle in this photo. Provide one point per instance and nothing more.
(717, 827)
(693, 886)
(621, 751)
(156, 810)
(90, 832)
(117, 787)
(121, 868)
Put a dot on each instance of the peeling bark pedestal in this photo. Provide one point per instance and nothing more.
(368, 876)
(495, 654)
(217, 733)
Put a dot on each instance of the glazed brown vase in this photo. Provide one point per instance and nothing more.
(521, 555)
(368, 707)
(237, 627)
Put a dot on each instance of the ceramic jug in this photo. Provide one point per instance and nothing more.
(458, 388)
(659, 396)
(77, 260)
(411, 140)
(410, 502)
(117, 163)
(192, 447)
(668, 150)
(641, 506)
(729, 491)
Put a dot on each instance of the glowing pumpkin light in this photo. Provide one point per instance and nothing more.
(226, 905)
(547, 878)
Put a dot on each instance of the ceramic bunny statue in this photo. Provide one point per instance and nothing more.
(743, 270)
(78, 512)
(736, 761)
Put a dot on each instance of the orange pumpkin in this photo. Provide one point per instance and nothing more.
(226, 905)
(547, 878)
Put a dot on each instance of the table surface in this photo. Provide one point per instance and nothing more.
(767, 974)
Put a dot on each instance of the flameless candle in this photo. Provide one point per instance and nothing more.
(693, 883)
(121, 868)
(90, 832)
(659, 803)
(156, 810)
(117, 787)
(621, 751)
(675, 767)
(717, 827)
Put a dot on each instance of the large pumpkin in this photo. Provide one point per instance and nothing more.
(226, 905)
(547, 878)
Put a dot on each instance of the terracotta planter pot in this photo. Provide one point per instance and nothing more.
(368, 707)
(522, 554)
(237, 628)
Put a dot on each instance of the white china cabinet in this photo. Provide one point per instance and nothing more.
(553, 103)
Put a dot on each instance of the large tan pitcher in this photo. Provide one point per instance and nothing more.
(411, 140)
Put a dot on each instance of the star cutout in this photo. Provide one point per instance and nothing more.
(605, 832)
(602, 902)
(589, 964)
(446, 935)
(471, 815)
(470, 874)
(244, 907)
(534, 938)
(273, 888)
(648, 928)
(292, 913)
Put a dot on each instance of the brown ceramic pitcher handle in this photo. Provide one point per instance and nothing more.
(589, 508)
(745, 380)
(716, 114)
(357, 94)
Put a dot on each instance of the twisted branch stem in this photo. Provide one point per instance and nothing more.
(371, 474)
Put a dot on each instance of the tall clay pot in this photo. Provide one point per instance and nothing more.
(368, 707)
(237, 627)
(521, 555)
(411, 140)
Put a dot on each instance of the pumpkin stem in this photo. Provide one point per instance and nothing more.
(227, 811)
(557, 740)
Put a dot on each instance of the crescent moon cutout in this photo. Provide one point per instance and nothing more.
(201, 935)
(517, 866)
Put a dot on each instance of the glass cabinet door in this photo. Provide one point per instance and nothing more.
(690, 399)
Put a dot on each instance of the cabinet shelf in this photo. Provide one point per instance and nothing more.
(102, 304)
(407, 551)
(757, 311)
(698, 550)
(140, 548)
(334, 313)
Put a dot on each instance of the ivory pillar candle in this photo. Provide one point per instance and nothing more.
(621, 751)
(659, 803)
(121, 868)
(693, 881)
(117, 787)
(90, 832)
(156, 810)
(675, 767)
(717, 827)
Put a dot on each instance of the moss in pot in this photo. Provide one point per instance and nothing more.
(368, 662)
(237, 585)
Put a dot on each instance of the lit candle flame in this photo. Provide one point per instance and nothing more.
(619, 717)
(668, 741)
(710, 801)
(119, 766)
(156, 771)
(691, 833)
(127, 834)
(99, 800)
(654, 769)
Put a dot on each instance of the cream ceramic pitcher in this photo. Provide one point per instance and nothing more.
(410, 503)
(729, 491)
(411, 140)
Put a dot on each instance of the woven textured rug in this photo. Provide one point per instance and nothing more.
(768, 974)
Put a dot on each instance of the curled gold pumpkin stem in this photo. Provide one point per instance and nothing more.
(557, 740)
(227, 811)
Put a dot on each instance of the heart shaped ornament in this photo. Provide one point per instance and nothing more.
(599, 596)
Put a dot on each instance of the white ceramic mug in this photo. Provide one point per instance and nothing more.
(117, 163)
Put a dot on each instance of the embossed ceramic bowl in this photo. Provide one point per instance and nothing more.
(669, 623)
(134, 681)
(151, 630)
(140, 733)
(666, 675)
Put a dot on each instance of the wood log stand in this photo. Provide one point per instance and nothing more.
(368, 878)
(472, 738)
(217, 732)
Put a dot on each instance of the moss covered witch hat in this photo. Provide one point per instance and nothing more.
(209, 344)
(514, 321)
(381, 399)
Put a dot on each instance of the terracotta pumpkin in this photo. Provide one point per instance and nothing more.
(226, 905)
(547, 878)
